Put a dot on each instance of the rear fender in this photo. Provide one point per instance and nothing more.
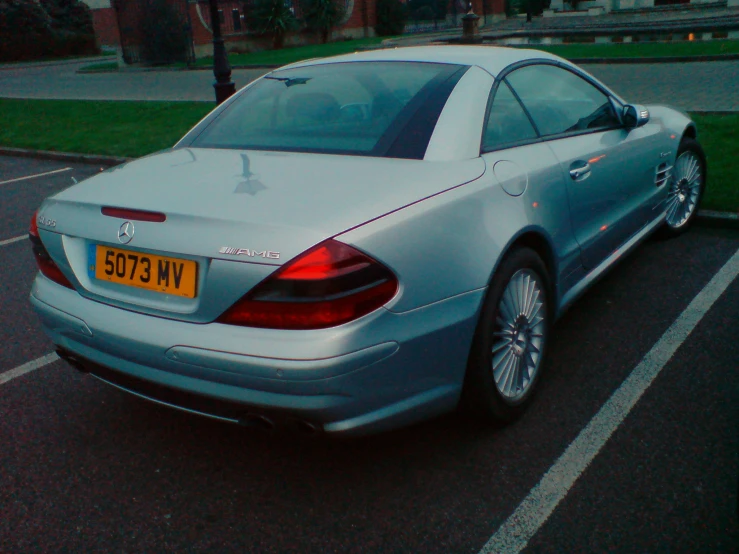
(452, 243)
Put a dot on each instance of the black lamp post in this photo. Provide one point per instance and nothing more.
(221, 69)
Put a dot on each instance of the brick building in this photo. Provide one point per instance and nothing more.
(105, 22)
(360, 16)
(359, 21)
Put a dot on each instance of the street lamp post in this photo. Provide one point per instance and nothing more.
(221, 69)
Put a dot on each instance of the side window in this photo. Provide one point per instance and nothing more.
(507, 122)
(560, 102)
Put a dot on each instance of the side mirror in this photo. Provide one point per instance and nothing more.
(635, 116)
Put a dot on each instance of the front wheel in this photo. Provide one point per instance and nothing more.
(686, 188)
(511, 338)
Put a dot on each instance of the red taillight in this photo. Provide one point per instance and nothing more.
(328, 260)
(45, 264)
(33, 229)
(326, 286)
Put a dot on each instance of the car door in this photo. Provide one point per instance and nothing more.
(520, 163)
(609, 170)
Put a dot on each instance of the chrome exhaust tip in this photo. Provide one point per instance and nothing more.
(303, 427)
(257, 421)
(72, 360)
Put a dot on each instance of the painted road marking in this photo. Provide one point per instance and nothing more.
(36, 175)
(541, 501)
(11, 241)
(28, 367)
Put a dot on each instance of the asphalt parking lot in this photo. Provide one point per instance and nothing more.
(84, 467)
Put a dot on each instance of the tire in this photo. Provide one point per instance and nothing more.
(496, 388)
(687, 185)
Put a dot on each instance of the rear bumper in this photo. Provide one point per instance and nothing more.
(382, 371)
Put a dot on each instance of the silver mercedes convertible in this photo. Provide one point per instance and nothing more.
(358, 243)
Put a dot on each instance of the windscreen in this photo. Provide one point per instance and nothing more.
(348, 108)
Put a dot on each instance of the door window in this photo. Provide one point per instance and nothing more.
(560, 101)
(507, 122)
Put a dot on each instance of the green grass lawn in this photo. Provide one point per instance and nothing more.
(290, 55)
(112, 128)
(641, 50)
(719, 137)
(137, 128)
(99, 67)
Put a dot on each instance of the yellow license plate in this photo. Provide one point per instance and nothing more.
(146, 271)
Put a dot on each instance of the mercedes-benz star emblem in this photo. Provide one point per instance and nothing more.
(125, 233)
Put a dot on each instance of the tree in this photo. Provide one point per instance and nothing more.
(391, 17)
(30, 29)
(321, 16)
(69, 15)
(164, 33)
(427, 9)
(272, 17)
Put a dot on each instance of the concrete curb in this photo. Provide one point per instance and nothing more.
(708, 218)
(657, 59)
(82, 71)
(32, 65)
(711, 218)
(92, 159)
(91, 71)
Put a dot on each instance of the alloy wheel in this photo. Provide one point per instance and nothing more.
(685, 189)
(519, 334)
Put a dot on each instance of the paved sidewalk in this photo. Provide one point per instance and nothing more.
(46, 63)
(63, 82)
(704, 86)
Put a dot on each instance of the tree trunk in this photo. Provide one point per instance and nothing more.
(278, 40)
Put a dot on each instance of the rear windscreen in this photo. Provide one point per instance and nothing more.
(349, 108)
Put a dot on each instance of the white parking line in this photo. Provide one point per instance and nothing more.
(11, 241)
(28, 367)
(36, 175)
(541, 501)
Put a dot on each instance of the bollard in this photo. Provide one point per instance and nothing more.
(470, 28)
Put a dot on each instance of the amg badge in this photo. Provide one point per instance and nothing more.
(251, 253)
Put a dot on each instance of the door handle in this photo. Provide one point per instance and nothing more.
(579, 170)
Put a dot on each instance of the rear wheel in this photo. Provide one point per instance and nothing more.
(686, 188)
(511, 338)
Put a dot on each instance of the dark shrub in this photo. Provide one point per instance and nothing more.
(272, 17)
(50, 28)
(321, 16)
(164, 36)
(391, 17)
(69, 15)
(427, 9)
(511, 7)
(71, 24)
(25, 29)
(424, 13)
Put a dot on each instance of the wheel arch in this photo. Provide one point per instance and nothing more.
(537, 240)
(691, 131)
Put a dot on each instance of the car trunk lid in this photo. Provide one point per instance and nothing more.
(262, 208)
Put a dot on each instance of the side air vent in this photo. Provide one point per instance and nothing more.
(663, 174)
